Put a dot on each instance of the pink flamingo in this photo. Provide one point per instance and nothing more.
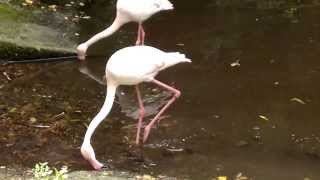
(131, 66)
(128, 11)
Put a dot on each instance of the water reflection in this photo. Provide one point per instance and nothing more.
(153, 97)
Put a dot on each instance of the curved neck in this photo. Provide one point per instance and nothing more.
(107, 105)
(117, 23)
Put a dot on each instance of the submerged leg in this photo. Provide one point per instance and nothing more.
(157, 117)
(141, 113)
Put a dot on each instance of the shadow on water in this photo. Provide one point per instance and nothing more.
(249, 100)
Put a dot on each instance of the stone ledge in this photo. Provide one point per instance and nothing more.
(24, 35)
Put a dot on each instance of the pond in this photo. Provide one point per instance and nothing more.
(249, 102)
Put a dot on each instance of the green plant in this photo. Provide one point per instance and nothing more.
(44, 172)
(60, 174)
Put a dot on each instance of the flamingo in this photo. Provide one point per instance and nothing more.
(128, 11)
(121, 69)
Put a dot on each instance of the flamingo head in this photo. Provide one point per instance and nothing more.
(88, 154)
(81, 51)
(159, 5)
(164, 4)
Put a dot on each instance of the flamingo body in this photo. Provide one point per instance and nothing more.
(129, 66)
(139, 11)
(133, 65)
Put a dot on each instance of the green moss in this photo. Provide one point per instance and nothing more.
(23, 35)
(12, 51)
(9, 13)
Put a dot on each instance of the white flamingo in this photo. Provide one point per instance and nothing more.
(128, 11)
(131, 66)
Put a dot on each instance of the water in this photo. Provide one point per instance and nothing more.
(249, 100)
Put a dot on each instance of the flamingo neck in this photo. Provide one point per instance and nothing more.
(107, 105)
(117, 23)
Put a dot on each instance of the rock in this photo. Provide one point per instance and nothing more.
(36, 33)
(83, 175)
(14, 174)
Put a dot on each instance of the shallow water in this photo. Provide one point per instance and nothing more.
(249, 100)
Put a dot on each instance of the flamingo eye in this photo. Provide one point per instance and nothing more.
(156, 5)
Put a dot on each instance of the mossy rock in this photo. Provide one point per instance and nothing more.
(23, 33)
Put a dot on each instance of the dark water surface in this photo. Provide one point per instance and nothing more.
(250, 99)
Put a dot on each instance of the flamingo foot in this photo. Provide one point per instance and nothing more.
(139, 135)
(96, 164)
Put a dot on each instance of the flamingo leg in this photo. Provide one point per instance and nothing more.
(141, 113)
(138, 42)
(142, 34)
(176, 94)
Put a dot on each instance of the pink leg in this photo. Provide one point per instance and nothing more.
(156, 118)
(138, 42)
(142, 35)
(141, 113)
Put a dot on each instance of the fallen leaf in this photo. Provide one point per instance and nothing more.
(53, 7)
(7, 76)
(263, 117)
(242, 178)
(28, 2)
(86, 17)
(236, 63)
(239, 174)
(147, 177)
(12, 110)
(175, 149)
(33, 119)
(41, 126)
(222, 178)
(297, 100)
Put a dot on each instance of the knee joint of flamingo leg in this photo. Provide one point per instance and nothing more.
(177, 94)
(141, 112)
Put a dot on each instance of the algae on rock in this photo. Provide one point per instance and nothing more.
(24, 33)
